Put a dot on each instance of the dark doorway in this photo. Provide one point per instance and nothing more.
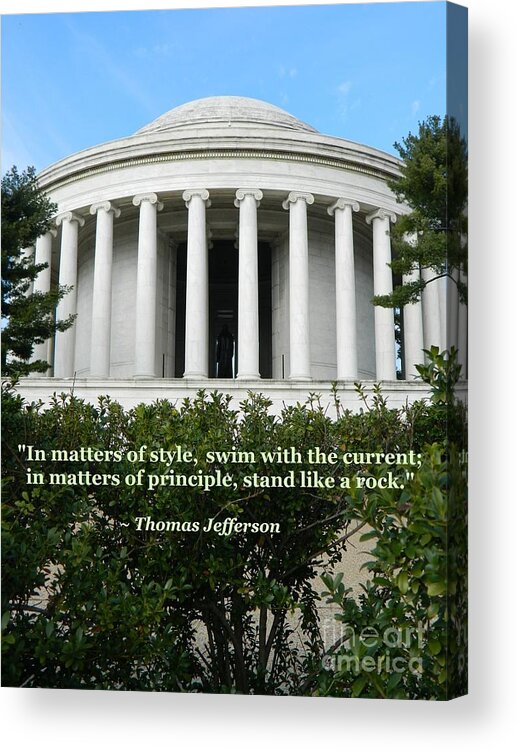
(223, 275)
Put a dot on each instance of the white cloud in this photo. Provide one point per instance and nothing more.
(287, 72)
(344, 88)
(160, 49)
(344, 105)
(415, 106)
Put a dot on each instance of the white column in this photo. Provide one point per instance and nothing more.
(442, 304)
(431, 309)
(383, 284)
(346, 324)
(43, 254)
(146, 280)
(299, 335)
(196, 312)
(413, 331)
(64, 358)
(248, 201)
(102, 280)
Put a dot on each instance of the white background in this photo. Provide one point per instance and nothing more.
(60, 719)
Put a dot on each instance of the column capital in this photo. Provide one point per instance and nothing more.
(69, 216)
(52, 232)
(243, 192)
(342, 203)
(105, 206)
(151, 198)
(202, 193)
(381, 213)
(296, 196)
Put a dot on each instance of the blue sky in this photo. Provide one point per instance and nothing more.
(369, 72)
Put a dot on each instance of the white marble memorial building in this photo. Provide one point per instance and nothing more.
(226, 211)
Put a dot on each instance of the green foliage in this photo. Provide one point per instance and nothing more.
(28, 320)
(99, 604)
(411, 598)
(405, 635)
(434, 183)
(441, 372)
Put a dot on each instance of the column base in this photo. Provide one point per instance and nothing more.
(195, 376)
(305, 378)
(145, 376)
(250, 376)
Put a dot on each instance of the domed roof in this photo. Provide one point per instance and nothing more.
(226, 109)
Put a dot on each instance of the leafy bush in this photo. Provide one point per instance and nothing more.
(90, 601)
(405, 637)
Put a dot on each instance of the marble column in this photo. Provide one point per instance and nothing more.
(102, 284)
(196, 310)
(346, 323)
(299, 335)
(64, 357)
(431, 309)
(383, 284)
(413, 331)
(248, 201)
(43, 254)
(146, 281)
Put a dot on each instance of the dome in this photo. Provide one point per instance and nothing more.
(226, 109)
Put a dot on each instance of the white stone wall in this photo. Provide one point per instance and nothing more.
(322, 303)
(123, 301)
(365, 311)
(83, 322)
(280, 307)
(162, 308)
(129, 392)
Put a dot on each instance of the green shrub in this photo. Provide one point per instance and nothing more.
(91, 601)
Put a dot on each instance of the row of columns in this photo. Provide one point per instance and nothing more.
(196, 333)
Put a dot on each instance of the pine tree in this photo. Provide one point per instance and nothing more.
(26, 319)
(434, 184)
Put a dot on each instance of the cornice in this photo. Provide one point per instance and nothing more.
(78, 173)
